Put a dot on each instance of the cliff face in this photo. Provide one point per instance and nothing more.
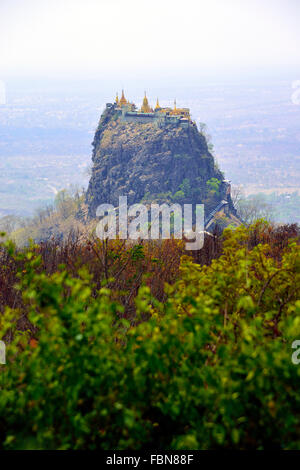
(148, 163)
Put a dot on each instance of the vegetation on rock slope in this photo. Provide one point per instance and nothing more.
(149, 163)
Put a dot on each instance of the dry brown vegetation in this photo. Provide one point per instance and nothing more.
(124, 268)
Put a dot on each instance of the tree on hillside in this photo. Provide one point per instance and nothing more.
(254, 207)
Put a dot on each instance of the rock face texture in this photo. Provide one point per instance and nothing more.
(147, 163)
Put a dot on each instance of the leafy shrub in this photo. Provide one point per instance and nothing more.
(209, 368)
(213, 184)
(179, 195)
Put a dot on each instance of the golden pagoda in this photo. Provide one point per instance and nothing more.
(145, 106)
(184, 112)
(128, 110)
(123, 101)
(175, 111)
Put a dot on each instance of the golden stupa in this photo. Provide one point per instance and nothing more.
(123, 101)
(145, 106)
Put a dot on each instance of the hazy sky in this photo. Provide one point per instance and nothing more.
(103, 37)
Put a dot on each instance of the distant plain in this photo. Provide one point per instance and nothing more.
(46, 135)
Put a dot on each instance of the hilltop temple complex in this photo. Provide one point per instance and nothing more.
(159, 116)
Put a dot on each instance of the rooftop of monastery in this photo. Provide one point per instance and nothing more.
(158, 115)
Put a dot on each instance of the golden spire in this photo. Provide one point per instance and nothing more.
(145, 106)
(123, 100)
(117, 99)
(175, 105)
(157, 104)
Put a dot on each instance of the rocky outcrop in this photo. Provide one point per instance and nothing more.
(148, 163)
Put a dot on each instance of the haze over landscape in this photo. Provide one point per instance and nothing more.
(233, 65)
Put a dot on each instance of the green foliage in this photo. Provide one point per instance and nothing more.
(186, 187)
(211, 147)
(183, 156)
(178, 196)
(137, 252)
(186, 191)
(213, 184)
(163, 196)
(210, 368)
